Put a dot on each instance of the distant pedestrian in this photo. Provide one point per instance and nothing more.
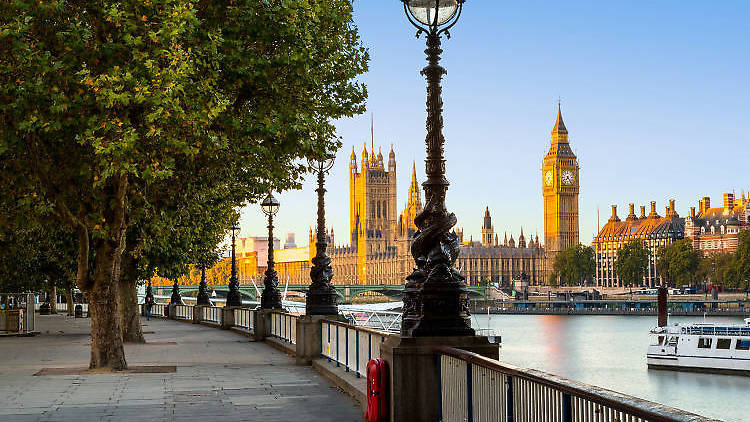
(148, 303)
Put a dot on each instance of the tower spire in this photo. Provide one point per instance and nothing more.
(559, 124)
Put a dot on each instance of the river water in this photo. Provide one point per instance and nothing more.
(610, 352)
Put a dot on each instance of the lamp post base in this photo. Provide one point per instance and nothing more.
(234, 298)
(271, 297)
(415, 394)
(322, 300)
(176, 297)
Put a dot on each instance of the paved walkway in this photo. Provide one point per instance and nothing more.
(220, 375)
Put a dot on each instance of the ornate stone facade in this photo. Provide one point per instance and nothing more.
(501, 263)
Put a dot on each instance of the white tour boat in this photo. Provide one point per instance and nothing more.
(702, 347)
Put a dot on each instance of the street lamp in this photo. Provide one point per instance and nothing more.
(203, 298)
(321, 296)
(271, 297)
(176, 297)
(435, 295)
(234, 297)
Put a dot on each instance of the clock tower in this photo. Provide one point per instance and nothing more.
(560, 190)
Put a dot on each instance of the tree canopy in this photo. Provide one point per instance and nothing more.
(678, 263)
(631, 262)
(104, 103)
(575, 265)
(737, 273)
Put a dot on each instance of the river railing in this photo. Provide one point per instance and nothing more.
(284, 326)
(183, 312)
(474, 388)
(213, 314)
(158, 310)
(349, 345)
(244, 318)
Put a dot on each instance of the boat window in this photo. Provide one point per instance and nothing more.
(724, 343)
(743, 345)
(704, 343)
(661, 340)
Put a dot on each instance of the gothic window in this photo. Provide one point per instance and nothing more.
(384, 208)
(378, 209)
(372, 210)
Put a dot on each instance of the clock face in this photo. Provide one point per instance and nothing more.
(568, 177)
(548, 178)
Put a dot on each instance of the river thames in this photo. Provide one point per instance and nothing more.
(610, 352)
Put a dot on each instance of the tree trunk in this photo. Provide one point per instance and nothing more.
(127, 293)
(107, 351)
(53, 299)
(69, 298)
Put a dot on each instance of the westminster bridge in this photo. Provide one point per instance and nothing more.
(345, 292)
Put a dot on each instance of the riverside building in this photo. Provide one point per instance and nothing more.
(653, 229)
(715, 230)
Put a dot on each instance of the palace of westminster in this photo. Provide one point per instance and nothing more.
(379, 239)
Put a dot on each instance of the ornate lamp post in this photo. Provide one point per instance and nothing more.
(321, 296)
(435, 295)
(202, 298)
(176, 297)
(234, 297)
(271, 297)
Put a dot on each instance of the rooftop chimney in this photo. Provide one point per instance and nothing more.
(631, 213)
(704, 204)
(643, 211)
(653, 213)
(728, 201)
(614, 214)
(692, 212)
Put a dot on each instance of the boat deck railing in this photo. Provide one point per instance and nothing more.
(711, 330)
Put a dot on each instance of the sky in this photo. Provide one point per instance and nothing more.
(655, 96)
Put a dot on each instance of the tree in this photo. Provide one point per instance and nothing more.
(102, 102)
(713, 268)
(738, 272)
(678, 262)
(575, 265)
(34, 256)
(631, 262)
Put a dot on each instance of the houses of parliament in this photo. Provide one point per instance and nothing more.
(376, 249)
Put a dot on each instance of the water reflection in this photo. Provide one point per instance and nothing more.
(610, 351)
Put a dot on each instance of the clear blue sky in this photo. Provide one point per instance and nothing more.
(655, 95)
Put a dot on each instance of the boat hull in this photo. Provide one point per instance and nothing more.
(699, 364)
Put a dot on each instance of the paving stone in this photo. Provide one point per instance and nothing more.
(219, 376)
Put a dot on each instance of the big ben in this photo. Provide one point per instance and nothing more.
(560, 189)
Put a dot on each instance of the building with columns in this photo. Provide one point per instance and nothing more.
(501, 263)
(655, 230)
